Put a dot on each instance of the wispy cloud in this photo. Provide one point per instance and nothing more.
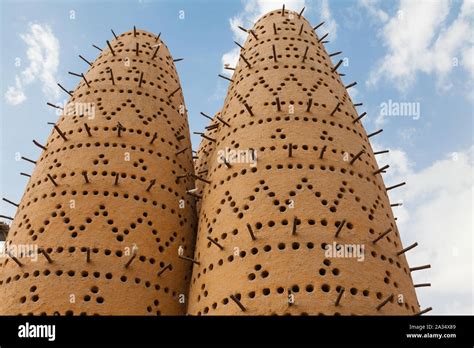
(43, 61)
(418, 39)
(374, 10)
(437, 213)
(329, 23)
(253, 9)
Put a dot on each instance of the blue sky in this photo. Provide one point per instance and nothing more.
(416, 52)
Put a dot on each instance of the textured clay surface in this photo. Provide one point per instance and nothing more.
(295, 205)
(111, 194)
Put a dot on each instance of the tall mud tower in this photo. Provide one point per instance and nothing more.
(295, 217)
(106, 205)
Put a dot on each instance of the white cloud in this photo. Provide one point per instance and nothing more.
(372, 8)
(43, 58)
(419, 40)
(253, 10)
(14, 94)
(329, 23)
(437, 213)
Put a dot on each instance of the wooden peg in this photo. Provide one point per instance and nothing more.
(305, 53)
(174, 92)
(403, 251)
(156, 51)
(129, 262)
(295, 222)
(323, 150)
(60, 132)
(335, 108)
(422, 285)
(251, 231)
(51, 179)
(395, 186)
(215, 243)
(224, 122)
(45, 254)
(241, 47)
(381, 236)
(360, 153)
(351, 85)
(339, 296)
(39, 145)
(64, 89)
(424, 311)
(249, 109)
(85, 60)
(85, 80)
(120, 127)
(181, 151)
(27, 159)
(339, 228)
(301, 12)
(278, 104)
(111, 75)
(253, 34)
(375, 133)
(359, 118)
(110, 48)
(12, 203)
(336, 66)
(384, 302)
(225, 78)
(310, 103)
(14, 258)
(155, 135)
(168, 266)
(323, 37)
(141, 80)
(245, 60)
(86, 178)
(380, 170)
(88, 129)
(54, 106)
(316, 27)
(189, 259)
(412, 269)
(290, 150)
(274, 53)
(115, 36)
(152, 182)
(236, 300)
(88, 254)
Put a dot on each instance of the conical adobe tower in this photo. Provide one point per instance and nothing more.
(106, 208)
(309, 229)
